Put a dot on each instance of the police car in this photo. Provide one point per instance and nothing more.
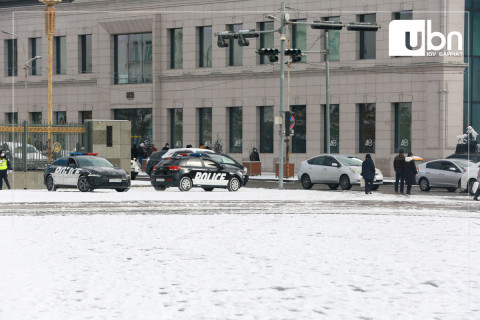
(85, 171)
(196, 170)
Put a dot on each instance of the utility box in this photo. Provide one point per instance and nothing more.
(254, 168)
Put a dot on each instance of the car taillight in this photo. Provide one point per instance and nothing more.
(154, 168)
(418, 170)
(174, 168)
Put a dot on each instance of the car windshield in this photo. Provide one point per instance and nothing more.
(223, 159)
(350, 161)
(93, 162)
(463, 164)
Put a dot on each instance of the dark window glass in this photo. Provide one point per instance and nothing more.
(334, 41)
(266, 40)
(236, 52)
(367, 127)
(334, 128)
(266, 129)
(368, 39)
(205, 126)
(36, 117)
(133, 58)
(85, 115)
(299, 37)
(176, 48)
(403, 126)
(434, 165)
(109, 136)
(12, 117)
(12, 58)
(141, 121)
(236, 129)
(60, 117)
(318, 161)
(36, 45)
(61, 162)
(194, 162)
(176, 128)
(86, 53)
(205, 34)
(210, 164)
(299, 138)
(61, 55)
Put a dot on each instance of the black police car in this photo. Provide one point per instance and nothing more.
(85, 171)
(195, 170)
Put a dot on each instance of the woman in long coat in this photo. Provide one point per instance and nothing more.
(368, 173)
(409, 171)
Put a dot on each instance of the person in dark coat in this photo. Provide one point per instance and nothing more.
(166, 147)
(254, 156)
(477, 193)
(368, 173)
(398, 166)
(134, 152)
(409, 171)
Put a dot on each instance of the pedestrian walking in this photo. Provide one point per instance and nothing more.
(134, 152)
(410, 171)
(368, 173)
(254, 156)
(477, 193)
(166, 147)
(142, 153)
(398, 166)
(5, 169)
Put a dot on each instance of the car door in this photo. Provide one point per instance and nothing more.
(433, 170)
(330, 172)
(69, 174)
(315, 167)
(450, 174)
(198, 173)
(216, 175)
(58, 169)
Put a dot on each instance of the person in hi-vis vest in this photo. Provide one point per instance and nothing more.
(5, 169)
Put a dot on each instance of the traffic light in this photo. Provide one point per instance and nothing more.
(289, 123)
(296, 54)
(362, 26)
(327, 25)
(225, 35)
(272, 53)
(244, 34)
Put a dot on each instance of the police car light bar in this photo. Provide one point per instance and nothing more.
(83, 154)
(197, 154)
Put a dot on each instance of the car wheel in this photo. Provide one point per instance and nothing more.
(424, 184)
(83, 185)
(159, 188)
(374, 187)
(306, 182)
(470, 186)
(234, 184)
(122, 189)
(51, 184)
(345, 182)
(134, 175)
(185, 184)
(333, 186)
(208, 189)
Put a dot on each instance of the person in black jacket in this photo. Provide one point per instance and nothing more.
(368, 173)
(398, 166)
(254, 156)
(409, 171)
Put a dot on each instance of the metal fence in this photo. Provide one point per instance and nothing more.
(26, 144)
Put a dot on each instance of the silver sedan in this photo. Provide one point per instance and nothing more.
(334, 170)
(442, 173)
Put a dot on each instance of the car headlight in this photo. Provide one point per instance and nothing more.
(355, 170)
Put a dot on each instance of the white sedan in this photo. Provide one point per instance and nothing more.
(469, 177)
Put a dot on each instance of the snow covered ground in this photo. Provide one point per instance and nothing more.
(253, 254)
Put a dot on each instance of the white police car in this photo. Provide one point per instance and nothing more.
(87, 172)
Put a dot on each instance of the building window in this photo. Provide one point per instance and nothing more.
(176, 48)
(84, 116)
(176, 128)
(333, 41)
(368, 39)
(266, 40)
(61, 55)
(36, 50)
(235, 51)
(299, 138)
(236, 129)
(11, 117)
(85, 53)
(12, 57)
(403, 126)
(367, 127)
(299, 37)
(334, 128)
(60, 117)
(266, 129)
(471, 112)
(35, 117)
(205, 126)
(109, 136)
(141, 121)
(133, 58)
(205, 34)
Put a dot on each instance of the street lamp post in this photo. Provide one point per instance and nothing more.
(50, 17)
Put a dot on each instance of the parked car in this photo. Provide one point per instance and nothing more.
(186, 172)
(473, 157)
(155, 157)
(134, 169)
(441, 173)
(16, 151)
(85, 171)
(469, 177)
(225, 159)
(334, 170)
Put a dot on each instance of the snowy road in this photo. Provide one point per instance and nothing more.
(255, 254)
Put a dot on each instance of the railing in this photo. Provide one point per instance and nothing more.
(26, 144)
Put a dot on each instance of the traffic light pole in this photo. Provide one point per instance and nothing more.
(282, 79)
(327, 96)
